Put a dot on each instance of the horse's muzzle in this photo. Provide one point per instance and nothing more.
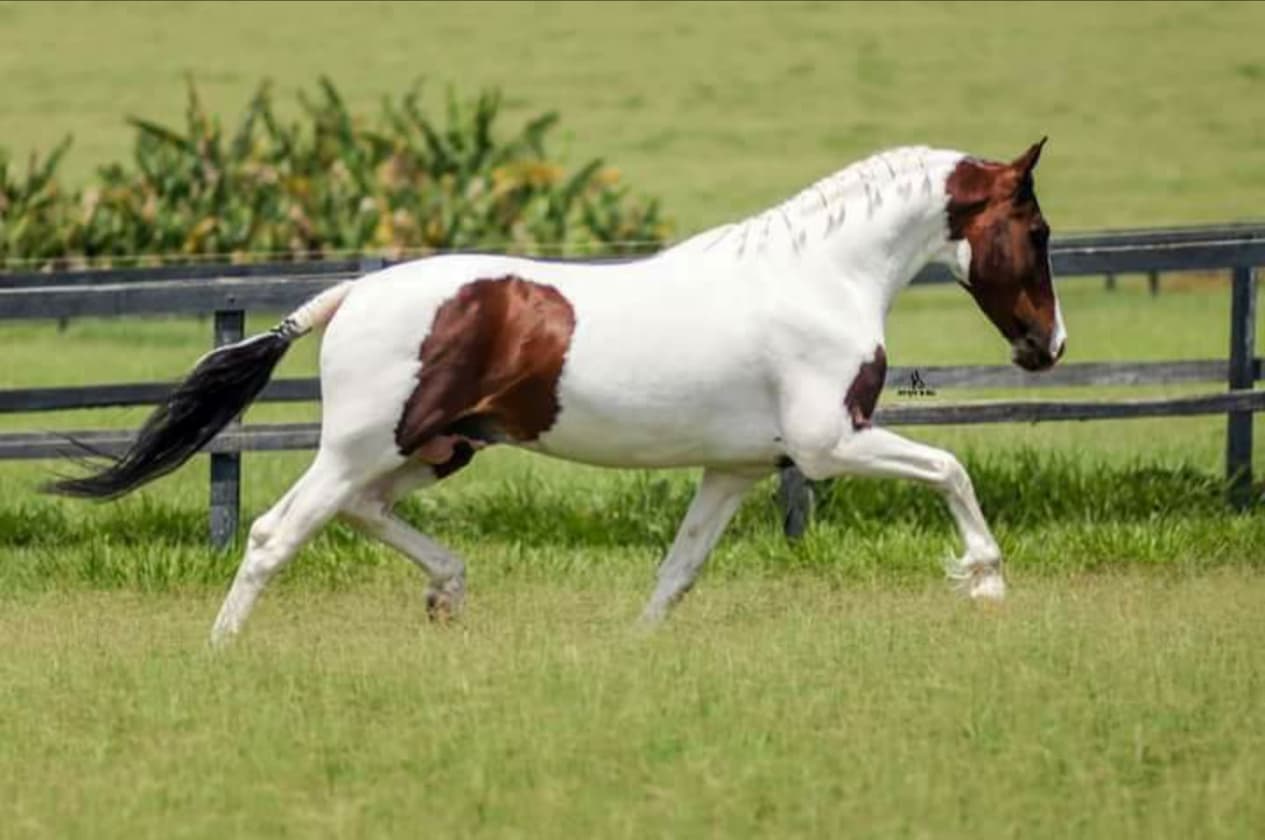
(1032, 353)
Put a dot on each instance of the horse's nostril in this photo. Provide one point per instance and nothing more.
(1058, 354)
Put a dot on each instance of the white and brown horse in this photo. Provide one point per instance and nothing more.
(745, 347)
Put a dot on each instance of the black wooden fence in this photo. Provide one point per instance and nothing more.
(230, 291)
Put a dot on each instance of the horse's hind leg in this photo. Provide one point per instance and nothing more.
(276, 536)
(371, 511)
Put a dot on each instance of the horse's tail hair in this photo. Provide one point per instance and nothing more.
(222, 384)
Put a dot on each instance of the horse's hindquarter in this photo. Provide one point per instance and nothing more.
(663, 370)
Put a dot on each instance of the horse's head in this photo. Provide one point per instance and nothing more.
(1002, 254)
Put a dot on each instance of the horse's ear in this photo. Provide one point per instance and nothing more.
(1026, 162)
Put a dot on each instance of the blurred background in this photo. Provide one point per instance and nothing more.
(717, 109)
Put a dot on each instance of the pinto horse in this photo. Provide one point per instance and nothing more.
(747, 347)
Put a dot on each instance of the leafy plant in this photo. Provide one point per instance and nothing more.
(329, 182)
(32, 206)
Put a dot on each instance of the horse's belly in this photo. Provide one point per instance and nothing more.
(639, 442)
(663, 429)
(657, 386)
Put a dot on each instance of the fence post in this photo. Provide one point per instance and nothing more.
(226, 467)
(1238, 450)
(795, 498)
(1153, 282)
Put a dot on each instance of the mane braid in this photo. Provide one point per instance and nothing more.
(825, 198)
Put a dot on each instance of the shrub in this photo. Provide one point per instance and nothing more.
(328, 183)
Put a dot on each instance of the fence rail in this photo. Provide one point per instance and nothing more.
(1070, 375)
(276, 437)
(202, 289)
(229, 291)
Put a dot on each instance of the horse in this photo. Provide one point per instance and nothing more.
(746, 348)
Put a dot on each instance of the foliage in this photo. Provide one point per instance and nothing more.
(328, 183)
(32, 207)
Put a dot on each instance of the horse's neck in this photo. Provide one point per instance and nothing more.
(860, 234)
(895, 234)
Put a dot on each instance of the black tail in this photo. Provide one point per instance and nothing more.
(220, 387)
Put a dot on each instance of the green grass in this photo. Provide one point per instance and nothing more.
(832, 687)
(719, 110)
(1118, 706)
(1053, 517)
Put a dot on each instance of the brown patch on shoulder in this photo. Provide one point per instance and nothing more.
(491, 362)
(863, 393)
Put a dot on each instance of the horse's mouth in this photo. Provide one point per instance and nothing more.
(1033, 355)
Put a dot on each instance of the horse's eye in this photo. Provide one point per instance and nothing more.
(1040, 235)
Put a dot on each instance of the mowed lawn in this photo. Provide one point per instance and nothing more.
(1119, 706)
(834, 687)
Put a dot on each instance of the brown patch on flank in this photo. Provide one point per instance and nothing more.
(863, 393)
(490, 368)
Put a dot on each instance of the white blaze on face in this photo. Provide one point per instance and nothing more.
(1058, 336)
(962, 261)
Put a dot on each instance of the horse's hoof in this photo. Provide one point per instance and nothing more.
(440, 608)
(989, 587)
(981, 581)
(443, 604)
(650, 622)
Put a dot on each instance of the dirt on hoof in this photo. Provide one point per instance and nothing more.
(440, 608)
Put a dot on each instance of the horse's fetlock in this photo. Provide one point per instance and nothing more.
(988, 556)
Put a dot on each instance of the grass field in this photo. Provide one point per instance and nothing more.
(1115, 707)
(831, 687)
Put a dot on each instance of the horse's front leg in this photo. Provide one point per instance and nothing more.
(882, 454)
(715, 502)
